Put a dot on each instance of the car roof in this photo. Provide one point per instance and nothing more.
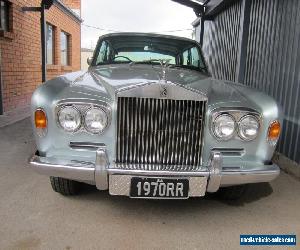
(156, 35)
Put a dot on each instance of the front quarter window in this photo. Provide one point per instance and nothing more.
(192, 57)
(104, 53)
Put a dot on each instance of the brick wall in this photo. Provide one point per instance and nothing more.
(73, 4)
(21, 53)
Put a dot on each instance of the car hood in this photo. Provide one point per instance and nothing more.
(105, 81)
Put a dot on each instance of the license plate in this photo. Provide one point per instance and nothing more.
(159, 188)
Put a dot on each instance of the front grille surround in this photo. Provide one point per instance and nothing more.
(160, 131)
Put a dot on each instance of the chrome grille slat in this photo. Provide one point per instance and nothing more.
(155, 167)
(159, 132)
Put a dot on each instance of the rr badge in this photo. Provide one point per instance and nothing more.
(163, 91)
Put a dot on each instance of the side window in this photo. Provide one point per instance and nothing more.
(195, 57)
(104, 53)
(191, 57)
(50, 41)
(4, 15)
(185, 57)
(65, 48)
(101, 54)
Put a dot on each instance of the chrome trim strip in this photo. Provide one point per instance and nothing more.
(175, 91)
(86, 145)
(159, 167)
(230, 151)
(156, 173)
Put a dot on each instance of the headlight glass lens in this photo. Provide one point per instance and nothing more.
(248, 127)
(224, 126)
(69, 119)
(95, 120)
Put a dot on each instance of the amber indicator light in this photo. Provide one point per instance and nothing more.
(274, 130)
(40, 119)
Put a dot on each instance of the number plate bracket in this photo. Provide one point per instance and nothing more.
(120, 184)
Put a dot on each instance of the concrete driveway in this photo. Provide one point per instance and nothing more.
(32, 216)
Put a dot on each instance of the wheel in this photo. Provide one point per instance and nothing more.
(232, 193)
(64, 186)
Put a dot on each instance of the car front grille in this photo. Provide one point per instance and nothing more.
(159, 131)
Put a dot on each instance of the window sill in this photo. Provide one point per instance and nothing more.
(7, 34)
(58, 67)
(53, 67)
(66, 67)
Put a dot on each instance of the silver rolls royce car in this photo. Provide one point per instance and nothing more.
(147, 120)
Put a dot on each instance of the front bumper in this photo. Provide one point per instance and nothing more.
(208, 178)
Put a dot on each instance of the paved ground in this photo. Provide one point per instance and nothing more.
(14, 116)
(34, 217)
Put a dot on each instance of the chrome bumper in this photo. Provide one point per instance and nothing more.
(106, 177)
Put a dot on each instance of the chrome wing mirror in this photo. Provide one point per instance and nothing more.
(89, 60)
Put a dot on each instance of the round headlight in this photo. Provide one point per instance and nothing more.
(69, 119)
(95, 120)
(224, 127)
(248, 127)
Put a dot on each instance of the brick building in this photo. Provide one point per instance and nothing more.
(20, 48)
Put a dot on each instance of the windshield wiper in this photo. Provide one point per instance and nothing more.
(204, 70)
(150, 61)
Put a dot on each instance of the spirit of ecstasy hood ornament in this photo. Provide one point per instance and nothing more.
(163, 78)
(163, 88)
(164, 65)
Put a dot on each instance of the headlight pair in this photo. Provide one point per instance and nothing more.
(224, 127)
(94, 119)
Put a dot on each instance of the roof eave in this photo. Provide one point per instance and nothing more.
(68, 11)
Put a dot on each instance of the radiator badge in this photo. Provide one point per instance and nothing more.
(163, 91)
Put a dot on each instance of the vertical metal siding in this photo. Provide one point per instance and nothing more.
(273, 57)
(220, 42)
(273, 63)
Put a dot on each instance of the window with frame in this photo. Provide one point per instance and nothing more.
(50, 44)
(104, 53)
(4, 15)
(191, 57)
(65, 48)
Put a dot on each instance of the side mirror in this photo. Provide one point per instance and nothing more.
(89, 60)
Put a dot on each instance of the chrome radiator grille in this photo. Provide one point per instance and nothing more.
(159, 131)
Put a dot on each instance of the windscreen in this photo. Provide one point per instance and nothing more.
(149, 50)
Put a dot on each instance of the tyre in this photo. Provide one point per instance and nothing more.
(233, 193)
(65, 186)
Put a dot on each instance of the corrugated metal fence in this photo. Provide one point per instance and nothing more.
(220, 43)
(273, 57)
(273, 63)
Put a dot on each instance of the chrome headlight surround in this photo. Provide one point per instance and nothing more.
(83, 108)
(88, 120)
(217, 130)
(243, 125)
(237, 114)
(77, 118)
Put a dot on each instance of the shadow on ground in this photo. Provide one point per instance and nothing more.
(253, 193)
